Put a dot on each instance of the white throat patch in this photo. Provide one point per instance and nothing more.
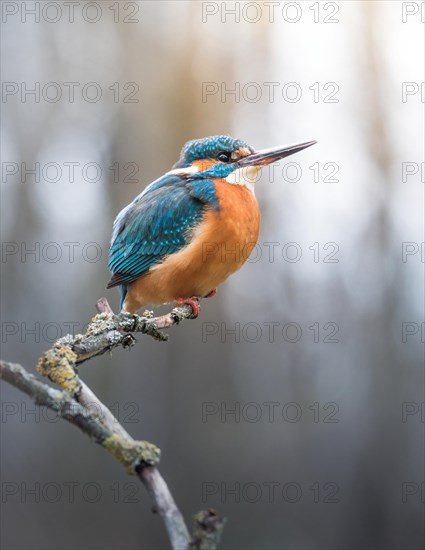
(246, 176)
(183, 171)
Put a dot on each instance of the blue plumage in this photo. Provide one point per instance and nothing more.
(158, 222)
(207, 148)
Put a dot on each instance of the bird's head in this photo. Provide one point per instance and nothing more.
(229, 158)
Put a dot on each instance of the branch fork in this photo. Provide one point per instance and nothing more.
(75, 401)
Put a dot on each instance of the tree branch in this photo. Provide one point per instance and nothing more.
(108, 331)
(125, 449)
(105, 332)
(77, 404)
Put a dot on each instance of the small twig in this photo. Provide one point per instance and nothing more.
(108, 331)
(102, 306)
(207, 530)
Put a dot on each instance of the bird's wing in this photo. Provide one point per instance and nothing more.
(158, 222)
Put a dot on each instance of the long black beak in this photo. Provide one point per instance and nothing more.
(267, 156)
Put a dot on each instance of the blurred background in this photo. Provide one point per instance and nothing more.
(293, 404)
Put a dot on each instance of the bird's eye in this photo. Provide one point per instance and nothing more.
(223, 157)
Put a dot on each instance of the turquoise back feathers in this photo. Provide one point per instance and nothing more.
(161, 219)
(158, 222)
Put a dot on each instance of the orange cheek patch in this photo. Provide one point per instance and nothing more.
(203, 165)
(243, 152)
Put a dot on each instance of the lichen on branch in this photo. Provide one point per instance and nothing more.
(77, 404)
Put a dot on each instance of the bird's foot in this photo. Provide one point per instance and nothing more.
(192, 302)
(211, 294)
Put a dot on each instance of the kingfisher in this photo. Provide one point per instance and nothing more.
(191, 228)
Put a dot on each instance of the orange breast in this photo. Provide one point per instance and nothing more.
(220, 246)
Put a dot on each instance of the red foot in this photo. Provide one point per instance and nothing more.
(211, 294)
(192, 302)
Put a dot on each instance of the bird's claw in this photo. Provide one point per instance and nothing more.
(192, 302)
(212, 293)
